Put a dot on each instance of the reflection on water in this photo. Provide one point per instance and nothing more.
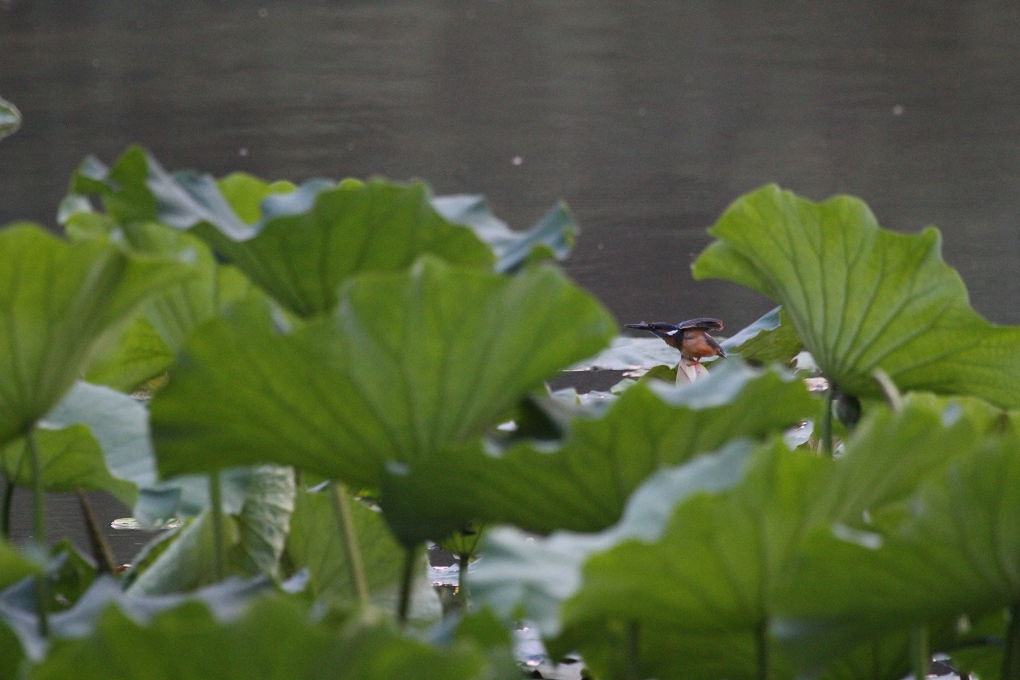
(647, 117)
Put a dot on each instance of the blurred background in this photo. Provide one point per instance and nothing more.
(648, 117)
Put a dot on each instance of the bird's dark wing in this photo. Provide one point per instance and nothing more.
(707, 323)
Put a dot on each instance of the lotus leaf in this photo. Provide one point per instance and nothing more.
(409, 364)
(584, 485)
(306, 242)
(60, 303)
(862, 298)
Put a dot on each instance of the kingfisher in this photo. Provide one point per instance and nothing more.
(690, 337)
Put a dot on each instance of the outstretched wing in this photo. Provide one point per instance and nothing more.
(705, 324)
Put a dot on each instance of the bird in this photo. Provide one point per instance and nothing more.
(690, 337)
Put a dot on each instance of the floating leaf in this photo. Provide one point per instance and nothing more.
(553, 236)
(630, 354)
(862, 298)
(60, 303)
(306, 242)
(409, 364)
(584, 485)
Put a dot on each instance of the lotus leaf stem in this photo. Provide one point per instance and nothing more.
(463, 592)
(101, 550)
(762, 645)
(404, 605)
(920, 654)
(830, 395)
(1011, 657)
(352, 548)
(5, 509)
(42, 588)
(633, 650)
(216, 514)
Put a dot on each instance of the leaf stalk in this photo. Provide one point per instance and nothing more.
(920, 652)
(1011, 658)
(404, 605)
(5, 510)
(352, 548)
(42, 588)
(216, 514)
(830, 395)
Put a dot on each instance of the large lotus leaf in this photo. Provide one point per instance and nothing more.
(525, 576)
(274, 639)
(553, 236)
(138, 356)
(316, 543)
(60, 303)
(14, 566)
(952, 548)
(95, 439)
(890, 453)
(585, 484)
(10, 118)
(704, 589)
(409, 364)
(254, 539)
(862, 298)
(226, 600)
(306, 242)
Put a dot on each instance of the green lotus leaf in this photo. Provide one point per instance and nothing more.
(316, 542)
(137, 357)
(951, 548)
(409, 364)
(272, 639)
(769, 339)
(306, 242)
(13, 565)
(524, 576)
(10, 118)
(862, 298)
(704, 589)
(585, 484)
(553, 236)
(254, 539)
(60, 304)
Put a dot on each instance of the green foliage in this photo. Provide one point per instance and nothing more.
(862, 298)
(584, 485)
(60, 304)
(409, 363)
(371, 335)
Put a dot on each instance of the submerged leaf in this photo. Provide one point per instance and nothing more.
(409, 364)
(862, 298)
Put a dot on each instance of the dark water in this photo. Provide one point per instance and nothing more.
(648, 118)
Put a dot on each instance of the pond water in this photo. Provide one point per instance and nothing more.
(648, 118)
